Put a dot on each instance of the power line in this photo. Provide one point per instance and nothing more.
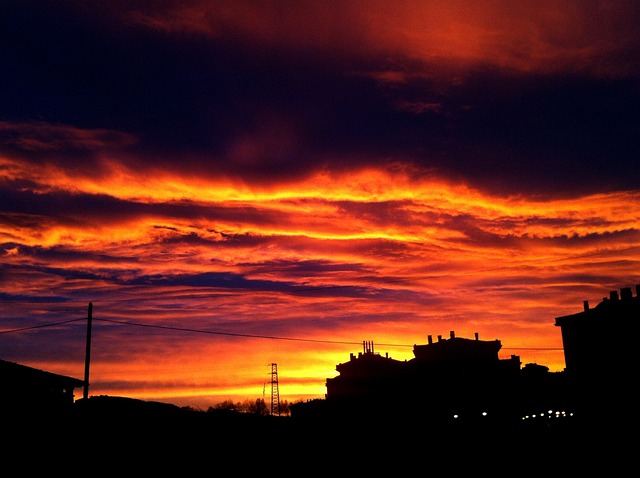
(39, 326)
(235, 334)
(256, 336)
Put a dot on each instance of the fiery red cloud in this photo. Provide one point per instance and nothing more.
(235, 184)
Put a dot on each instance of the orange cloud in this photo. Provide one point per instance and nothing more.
(531, 36)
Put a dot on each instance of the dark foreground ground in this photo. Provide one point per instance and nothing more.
(122, 437)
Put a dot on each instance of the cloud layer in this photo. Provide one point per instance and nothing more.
(236, 183)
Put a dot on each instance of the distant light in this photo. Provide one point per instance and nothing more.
(455, 415)
(484, 414)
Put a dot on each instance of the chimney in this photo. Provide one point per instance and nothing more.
(625, 293)
(452, 334)
(476, 334)
(586, 305)
(613, 295)
(429, 339)
(439, 338)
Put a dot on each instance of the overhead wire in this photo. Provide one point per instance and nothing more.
(236, 334)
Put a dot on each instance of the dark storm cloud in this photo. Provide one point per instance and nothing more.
(58, 254)
(382, 212)
(303, 268)
(228, 240)
(476, 235)
(547, 222)
(565, 280)
(626, 236)
(554, 132)
(79, 209)
(68, 208)
(38, 256)
(45, 299)
(231, 281)
(80, 274)
(230, 106)
(69, 146)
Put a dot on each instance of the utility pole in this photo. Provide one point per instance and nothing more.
(87, 355)
(275, 393)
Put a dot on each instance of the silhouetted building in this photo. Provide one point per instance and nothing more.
(449, 382)
(369, 377)
(601, 358)
(26, 389)
(463, 381)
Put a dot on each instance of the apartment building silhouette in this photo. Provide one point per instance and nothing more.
(458, 381)
(601, 359)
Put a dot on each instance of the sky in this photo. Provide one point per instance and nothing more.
(237, 184)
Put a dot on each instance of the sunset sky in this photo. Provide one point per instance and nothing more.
(233, 184)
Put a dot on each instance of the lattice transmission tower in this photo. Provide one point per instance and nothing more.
(275, 393)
